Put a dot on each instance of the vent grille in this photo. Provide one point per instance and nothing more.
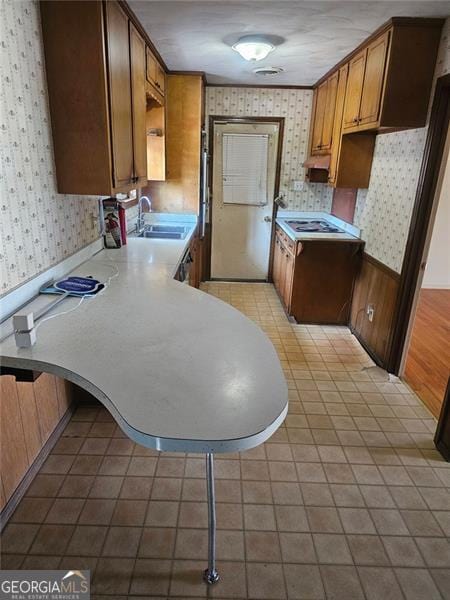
(268, 71)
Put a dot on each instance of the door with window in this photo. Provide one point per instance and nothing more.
(243, 186)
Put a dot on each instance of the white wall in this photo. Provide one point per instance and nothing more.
(437, 272)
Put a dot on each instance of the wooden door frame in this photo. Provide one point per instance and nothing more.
(420, 220)
(244, 121)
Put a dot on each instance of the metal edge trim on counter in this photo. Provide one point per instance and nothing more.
(156, 442)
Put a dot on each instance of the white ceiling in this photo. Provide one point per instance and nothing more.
(197, 35)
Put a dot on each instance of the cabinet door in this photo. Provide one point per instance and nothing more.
(328, 117)
(354, 90)
(288, 278)
(276, 263)
(120, 93)
(319, 112)
(282, 272)
(137, 58)
(160, 78)
(151, 68)
(373, 80)
(337, 125)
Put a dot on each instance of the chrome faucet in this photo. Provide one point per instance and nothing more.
(141, 215)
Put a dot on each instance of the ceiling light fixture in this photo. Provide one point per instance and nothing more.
(253, 47)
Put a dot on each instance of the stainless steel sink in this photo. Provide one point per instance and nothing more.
(165, 232)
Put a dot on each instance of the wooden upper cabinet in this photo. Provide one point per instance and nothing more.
(156, 75)
(120, 94)
(372, 90)
(330, 107)
(324, 106)
(389, 81)
(95, 62)
(319, 112)
(355, 82)
(384, 85)
(137, 61)
(337, 124)
(151, 66)
(160, 79)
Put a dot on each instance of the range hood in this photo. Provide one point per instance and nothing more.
(317, 167)
(320, 161)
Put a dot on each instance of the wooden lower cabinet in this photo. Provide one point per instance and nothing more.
(376, 286)
(315, 279)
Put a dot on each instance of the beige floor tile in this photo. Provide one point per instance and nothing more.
(151, 577)
(417, 584)
(379, 582)
(262, 546)
(367, 550)
(157, 542)
(303, 582)
(341, 582)
(402, 551)
(257, 492)
(332, 549)
(259, 517)
(265, 581)
(122, 541)
(291, 518)
(112, 576)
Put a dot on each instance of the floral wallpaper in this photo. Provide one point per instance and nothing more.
(295, 106)
(38, 226)
(384, 210)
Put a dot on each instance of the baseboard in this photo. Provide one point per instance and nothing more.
(234, 280)
(435, 286)
(34, 468)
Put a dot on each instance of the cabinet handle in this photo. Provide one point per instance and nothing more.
(355, 120)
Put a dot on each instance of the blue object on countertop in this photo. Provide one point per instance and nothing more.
(75, 286)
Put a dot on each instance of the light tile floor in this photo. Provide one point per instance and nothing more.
(349, 499)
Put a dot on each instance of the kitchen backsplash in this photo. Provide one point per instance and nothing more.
(383, 211)
(38, 226)
(295, 106)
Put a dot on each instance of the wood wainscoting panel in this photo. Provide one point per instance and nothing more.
(30, 413)
(14, 458)
(46, 403)
(30, 417)
(376, 286)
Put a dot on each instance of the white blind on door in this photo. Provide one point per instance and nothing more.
(244, 165)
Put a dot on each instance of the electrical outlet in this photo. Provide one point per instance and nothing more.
(370, 311)
(95, 220)
(298, 185)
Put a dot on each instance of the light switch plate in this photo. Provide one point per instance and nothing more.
(298, 185)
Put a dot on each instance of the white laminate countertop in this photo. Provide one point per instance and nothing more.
(350, 233)
(179, 369)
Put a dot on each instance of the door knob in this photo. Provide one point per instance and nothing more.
(267, 219)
